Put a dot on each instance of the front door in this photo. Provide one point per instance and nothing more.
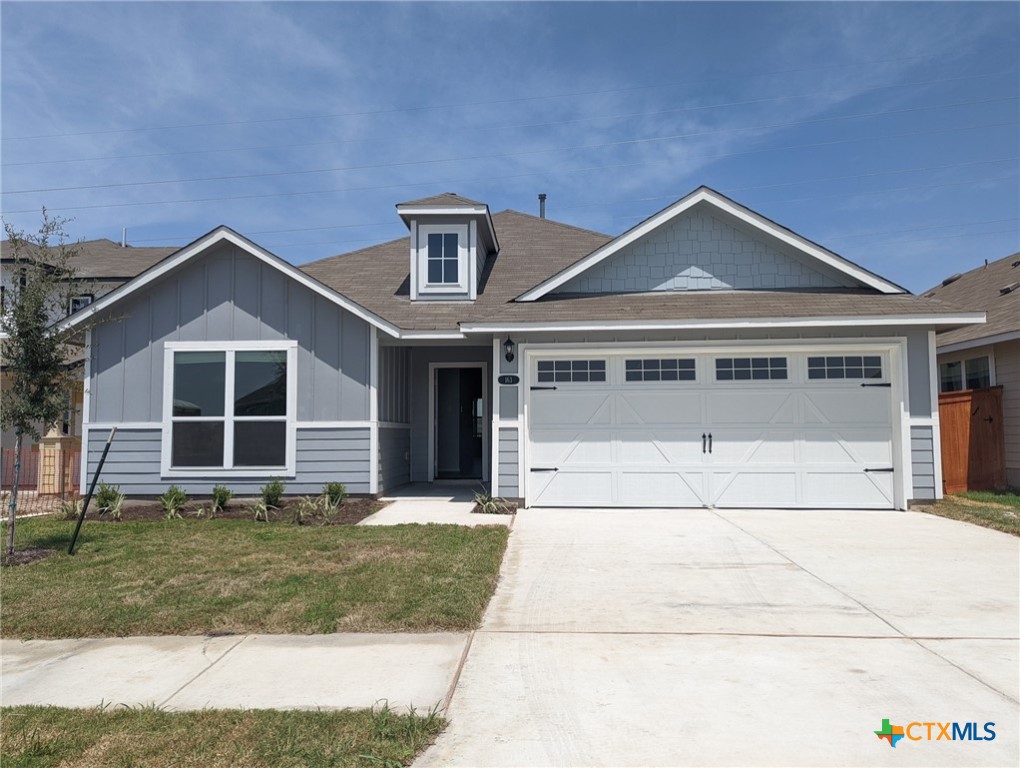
(460, 423)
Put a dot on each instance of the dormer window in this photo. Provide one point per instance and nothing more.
(451, 238)
(443, 259)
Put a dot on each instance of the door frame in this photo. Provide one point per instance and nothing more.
(486, 416)
(895, 347)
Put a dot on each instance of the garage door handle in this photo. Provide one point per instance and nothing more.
(534, 388)
(880, 469)
(887, 384)
(709, 442)
(545, 469)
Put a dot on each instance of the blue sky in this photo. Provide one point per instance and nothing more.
(886, 131)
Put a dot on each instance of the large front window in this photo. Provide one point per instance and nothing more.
(230, 409)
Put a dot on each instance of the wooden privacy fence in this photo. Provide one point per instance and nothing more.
(973, 441)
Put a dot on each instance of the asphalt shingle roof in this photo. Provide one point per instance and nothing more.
(106, 260)
(980, 290)
(446, 199)
(532, 249)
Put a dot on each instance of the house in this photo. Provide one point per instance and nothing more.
(100, 266)
(974, 357)
(707, 356)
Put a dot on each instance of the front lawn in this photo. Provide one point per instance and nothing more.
(189, 577)
(999, 510)
(75, 738)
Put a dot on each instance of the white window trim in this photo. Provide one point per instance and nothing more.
(463, 254)
(963, 360)
(289, 469)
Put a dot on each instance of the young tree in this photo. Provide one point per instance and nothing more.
(38, 359)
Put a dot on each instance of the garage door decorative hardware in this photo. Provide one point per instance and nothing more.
(534, 388)
(879, 469)
(545, 469)
(886, 384)
(705, 437)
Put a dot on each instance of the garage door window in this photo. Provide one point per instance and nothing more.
(748, 368)
(849, 367)
(571, 371)
(665, 369)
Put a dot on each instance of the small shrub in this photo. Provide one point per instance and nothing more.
(173, 501)
(304, 511)
(329, 510)
(70, 509)
(221, 496)
(492, 505)
(109, 500)
(260, 510)
(335, 492)
(272, 492)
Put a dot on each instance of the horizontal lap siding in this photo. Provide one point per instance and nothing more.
(1007, 373)
(509, 483)
(394, 457)
(922, 459)
(323, 455)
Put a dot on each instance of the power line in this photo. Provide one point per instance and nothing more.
(393, 110)
(433, 183)
(749, 102)
(500, 155)
(641, 199)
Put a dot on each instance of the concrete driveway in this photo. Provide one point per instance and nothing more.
(698, 637)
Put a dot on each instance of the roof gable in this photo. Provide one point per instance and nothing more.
(798, 249)
(698, 251)
(203, 245)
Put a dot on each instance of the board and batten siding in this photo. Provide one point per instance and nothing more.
(395, 384)
(323, 456)
(224, 295)
(394, 456)
(228, 295)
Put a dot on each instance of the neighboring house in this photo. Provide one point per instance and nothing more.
(101, 265)
(707, 356)
(974, 357)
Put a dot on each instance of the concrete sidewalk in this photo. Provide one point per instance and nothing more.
(250, 671)
(425, 503)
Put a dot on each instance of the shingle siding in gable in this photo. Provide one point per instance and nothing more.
(697, 251)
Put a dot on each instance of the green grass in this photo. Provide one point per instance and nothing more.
(1010, 497)
(188, 577)
(990, 509)
(39, 737)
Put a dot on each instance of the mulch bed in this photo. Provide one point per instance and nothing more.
(25, 556)
(352, 511)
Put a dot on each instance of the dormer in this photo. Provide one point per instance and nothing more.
(451, 237)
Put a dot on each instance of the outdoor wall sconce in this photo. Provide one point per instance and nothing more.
(508, 349)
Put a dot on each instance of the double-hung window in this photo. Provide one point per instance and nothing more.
(442, 258)
(229, 408)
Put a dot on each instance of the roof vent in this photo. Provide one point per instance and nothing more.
(541, 205)
(1009, 288)
(952, 279)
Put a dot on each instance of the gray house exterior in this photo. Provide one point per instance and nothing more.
(706, 357)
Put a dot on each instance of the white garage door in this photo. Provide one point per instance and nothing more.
(736, 429)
